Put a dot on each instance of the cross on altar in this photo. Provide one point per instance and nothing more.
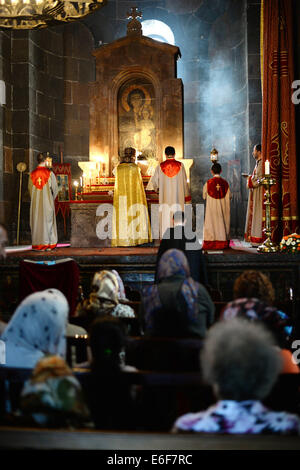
(134, 13)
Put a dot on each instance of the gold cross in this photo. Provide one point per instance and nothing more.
(218, 187)
(134, 13)
(39, 180)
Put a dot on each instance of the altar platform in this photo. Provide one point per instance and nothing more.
(136, 265)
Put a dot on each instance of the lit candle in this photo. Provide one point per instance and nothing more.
(267, 167)
(76, 190)
(81, 181)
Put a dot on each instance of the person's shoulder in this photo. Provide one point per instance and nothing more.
(224, 180)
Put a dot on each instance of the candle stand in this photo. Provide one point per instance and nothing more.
(267, 246)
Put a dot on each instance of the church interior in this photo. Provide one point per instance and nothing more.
(147, 74)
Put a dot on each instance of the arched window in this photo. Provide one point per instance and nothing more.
(158, 30)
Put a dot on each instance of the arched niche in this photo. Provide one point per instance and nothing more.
(145, 83)
(130, 63)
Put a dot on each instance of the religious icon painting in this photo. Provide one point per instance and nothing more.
(63, 186)
(136, 117)
(63, 178)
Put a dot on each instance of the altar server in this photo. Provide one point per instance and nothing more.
(216, 191)
(131, 224)
(43, 190)
(170, 180)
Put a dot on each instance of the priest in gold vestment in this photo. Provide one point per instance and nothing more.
(131, 224)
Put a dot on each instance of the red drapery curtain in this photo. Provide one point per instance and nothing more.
(278, 123)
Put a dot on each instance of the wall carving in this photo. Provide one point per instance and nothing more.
(136, 99)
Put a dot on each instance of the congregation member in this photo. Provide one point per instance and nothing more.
(105, 299)
(107, 390)
(216, 192)
(254, 298)
(53, 397)
(177, 305)
(240, 361)
(170, 180)
(131, 223)
(43, 190)
(253, 226)
(254, 283)
(37, 327)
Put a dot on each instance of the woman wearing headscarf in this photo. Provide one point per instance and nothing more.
(37, 328)
(177, 305)
(105, 299)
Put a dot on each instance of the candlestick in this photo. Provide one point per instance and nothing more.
(267, 246)
(76, 190)
(267, 167)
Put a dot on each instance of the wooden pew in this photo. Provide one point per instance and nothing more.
(160, 396)
(46, 439)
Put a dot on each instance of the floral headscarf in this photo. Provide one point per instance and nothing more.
(104, 298)
(255, 309)
(173, 262)
(105, 290)
(37, 327)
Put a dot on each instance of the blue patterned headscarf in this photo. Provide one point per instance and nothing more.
(173, 262)
(172, 265)
(37, 328)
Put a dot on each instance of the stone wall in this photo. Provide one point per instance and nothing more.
(46, 73)
(37, 106)
(254, 76)
(6, 166)
(79, 71)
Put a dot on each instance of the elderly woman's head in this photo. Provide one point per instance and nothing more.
(240, 360)
(254, 284)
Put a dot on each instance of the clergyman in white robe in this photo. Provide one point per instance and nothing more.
(43, 190)
(170, 180)
(216, 235)
(253, 226)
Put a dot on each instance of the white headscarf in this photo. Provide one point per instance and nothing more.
(37, 327)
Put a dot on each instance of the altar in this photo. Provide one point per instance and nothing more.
(85, 211)
(136, 101)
